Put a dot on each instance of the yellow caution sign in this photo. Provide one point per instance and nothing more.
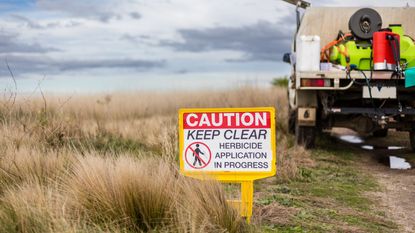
(234, 145)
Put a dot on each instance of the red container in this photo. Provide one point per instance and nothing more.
(383, 58)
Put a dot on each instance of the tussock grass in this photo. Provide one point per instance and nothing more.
(32, 208)
(122, 191)
(108, 163)
(32, 166)
(149, 194)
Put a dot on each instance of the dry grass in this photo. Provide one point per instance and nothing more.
(109, 163)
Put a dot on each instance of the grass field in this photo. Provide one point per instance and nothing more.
(108, 163)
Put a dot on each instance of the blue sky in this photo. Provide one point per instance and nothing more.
(112, 45)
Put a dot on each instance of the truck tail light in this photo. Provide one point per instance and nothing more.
(313, 82)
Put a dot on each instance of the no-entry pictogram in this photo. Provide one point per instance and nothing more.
(198, 155)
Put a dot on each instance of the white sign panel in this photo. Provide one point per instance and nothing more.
(227, 140)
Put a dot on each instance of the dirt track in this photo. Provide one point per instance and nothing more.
(397, 195)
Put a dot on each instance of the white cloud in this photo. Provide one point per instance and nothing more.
(131, 31)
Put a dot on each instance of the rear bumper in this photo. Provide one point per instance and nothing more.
(373, 111)
(340, 81)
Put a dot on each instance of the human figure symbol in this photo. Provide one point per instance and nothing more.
(196, 154)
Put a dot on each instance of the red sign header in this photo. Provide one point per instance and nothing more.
(227, 120)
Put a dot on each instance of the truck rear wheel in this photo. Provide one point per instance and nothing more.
(381, 133)
(412, 140)
(305, 136)
(292, 115)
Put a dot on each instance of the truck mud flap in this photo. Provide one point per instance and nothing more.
(306, 116)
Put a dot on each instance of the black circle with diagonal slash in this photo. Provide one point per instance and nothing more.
(190, 150)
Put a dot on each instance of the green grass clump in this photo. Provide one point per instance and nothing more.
(280, 82)
(329, 197)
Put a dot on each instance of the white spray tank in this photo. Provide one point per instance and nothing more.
(308, 53)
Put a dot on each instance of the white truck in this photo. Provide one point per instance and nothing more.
(339, 96)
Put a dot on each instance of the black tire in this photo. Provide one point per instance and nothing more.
(380, 133)
(292, 115)
(412, 140)
(305, 136)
